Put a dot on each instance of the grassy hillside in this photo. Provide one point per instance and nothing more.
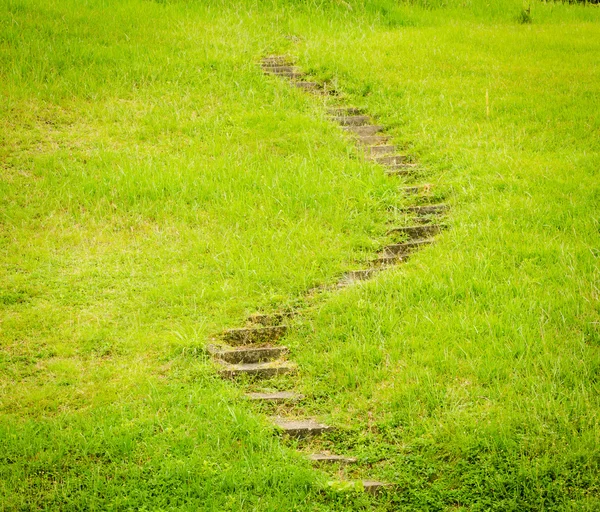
(157, 187)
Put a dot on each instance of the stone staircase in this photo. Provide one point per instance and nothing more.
(254, 352)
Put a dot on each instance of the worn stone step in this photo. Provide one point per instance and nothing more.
(387, 261)
(390, 160)
(402, 169)
(420, 231)
(359, 275)
(327, 458)
(280, 69)
(309, 86)
(372, 140)
(291, 75)
(367, 129)
(418, 189)
(277, 60)
(246, 354)
(256, 370)
(375, 487)
(301, 429)
(376, 151)
(276, 397)
(360, 120)
(249, 335)
(405, 248)
(270, 319)
(344, 111)
(428, 209)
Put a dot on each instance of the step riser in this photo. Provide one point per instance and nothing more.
(272, 320)
(253, 336)
(403, 249)
(414, 232)
(375, 151)
(259, 355)
(390, 160)
(256, 373)
(320, 458)
(427, 210)
(280, 69)
(351, 120)
(371, 140)
(276, 398)
(344, 111)
(309, 86)
(421, 189)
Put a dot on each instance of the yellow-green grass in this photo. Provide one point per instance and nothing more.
(156, 187)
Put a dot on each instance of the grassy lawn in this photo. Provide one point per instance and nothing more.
(156, 187)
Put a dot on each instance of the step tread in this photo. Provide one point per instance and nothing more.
(301, 428)
(372, 140)
(367, 129)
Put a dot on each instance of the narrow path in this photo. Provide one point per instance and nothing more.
(252, 352)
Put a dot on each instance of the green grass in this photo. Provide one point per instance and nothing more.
(157, 187)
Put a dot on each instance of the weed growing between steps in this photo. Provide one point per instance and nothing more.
(156, 188)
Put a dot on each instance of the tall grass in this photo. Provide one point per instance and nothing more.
(156, 187)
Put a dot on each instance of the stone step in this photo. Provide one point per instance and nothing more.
(375, 151)
(309, 86)
(367, 129)
(405, 248)
(428, 209)
(375, 487)
(246, 354)
(404, 172)
(390, 160)
(344, 111)
(256, 370)
(351, 120)
(418, 189)
(270, 320)
(291, 76)
(402, 169)
(276, 397)
(280, 69)
(327, 458)
(249, 335)
(387, 261)
(372, 140)
(420, 231)
(277, 60)
(359, 275)
(301, 429)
